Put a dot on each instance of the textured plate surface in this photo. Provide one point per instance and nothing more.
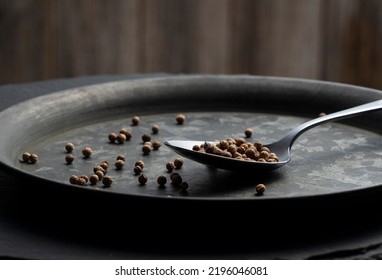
(334, 158)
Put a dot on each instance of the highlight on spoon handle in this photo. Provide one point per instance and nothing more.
(347, 113)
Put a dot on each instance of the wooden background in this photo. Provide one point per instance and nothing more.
(335, 40)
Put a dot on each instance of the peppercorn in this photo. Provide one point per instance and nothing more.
(69, 158)
(33, 158)
(99, 174)
(240, 141)
(260, 189)
(99, 168)
(146, 149)
(232, 149)
(251, 153)
(105, 165)
(264, 154)
(223, 144)
(135, 120)
(121, 138)
(119, 164)
(140, 163)
(155, 128)
(81, 181)
(107, 181)
(178, 163)
(146, 138)
(121, 157)
(176, 179)
(173, 174)
(162, 181)
(25, 157)
(196, 148)
(183, 186)
(127, 133)
(142, 179)
(180, 119)
(170, 166)
(248, 132)
(273, 156)
(87, 151)
(226, 154)
(86, 178)
(137, 169)
(148, 143)
(112, 137)
(156, 145)
(93, 179)
(73, 179)
(258, 145)
(69, 147)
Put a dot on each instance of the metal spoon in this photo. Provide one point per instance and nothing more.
(282, 147)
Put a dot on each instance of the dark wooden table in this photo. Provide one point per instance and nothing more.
(37, 222)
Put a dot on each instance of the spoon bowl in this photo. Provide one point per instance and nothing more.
(282, 147)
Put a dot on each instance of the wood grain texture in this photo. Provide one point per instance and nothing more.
(319, 39)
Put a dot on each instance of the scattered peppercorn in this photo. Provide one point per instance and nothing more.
(146, 149)
(121, 138)
(142, 179)
(93, 179)
(107, 181)
(126, 132)
(69, 158)
(112, 137)
(180, 119)
(33, 158)
(260, 189)
(105, 164)
(155, 128)
(119, 164)
(176, 179)
(248, 132)
(81, 181)
(140, 163)
(170, 166)
(135, 120)
(173, 174)
(121, 157)
(99, 168)
(69, 147)
(137, 169)
(183, 186)
(162, 181)
(87, 151)
(100, 174)
(73, 179)
(146, 138)
(156, 145)
(85, 177)
(148, 143)
(178, 163)
(25, 157)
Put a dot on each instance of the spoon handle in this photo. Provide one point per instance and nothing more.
(347, 113)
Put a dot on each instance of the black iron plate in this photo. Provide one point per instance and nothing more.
(333, 159)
